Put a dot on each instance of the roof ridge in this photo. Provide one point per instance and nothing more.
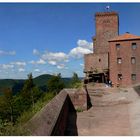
(125, 36)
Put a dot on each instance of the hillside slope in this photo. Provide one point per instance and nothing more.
(40, 81)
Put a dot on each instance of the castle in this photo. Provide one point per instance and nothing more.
(115, 57)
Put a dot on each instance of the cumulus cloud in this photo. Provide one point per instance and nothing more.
(85, 44)
(59, 59)
(7, 52)
(7, 66)
(40, 61)
(19, 63)
(83, 47)
(52, 58)
(12, 65)
(21, 70)
(52, 62)
(32, 62)
(35, 52)
(61, 66)
(37, 70)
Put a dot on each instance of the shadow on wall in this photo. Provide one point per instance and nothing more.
(59, 116)
(66, 122)
(137, 89)
(89, 105)
(71, 127)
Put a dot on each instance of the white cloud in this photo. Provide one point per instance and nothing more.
(53, 58)
(21, 70)
(35, 52)
(7, 52)
(56, 56)
(83, 47)
(79, 52)
(85, 44)
(61, 66)
(40, 61)
(32, 62)
(82, 65)
(19, 63)
(37, 70)
(7, 66)
(52, 62)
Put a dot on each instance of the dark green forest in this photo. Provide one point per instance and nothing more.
(21, 99)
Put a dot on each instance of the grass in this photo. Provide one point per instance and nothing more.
(79, 110)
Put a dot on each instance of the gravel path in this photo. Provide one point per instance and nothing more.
(115, 113)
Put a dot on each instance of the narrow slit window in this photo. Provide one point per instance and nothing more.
(133, 77)
(134, 46)
(119, 60)
(118, 46)
(133, 60)
(120, 77)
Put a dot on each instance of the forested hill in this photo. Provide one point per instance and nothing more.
(40, 81)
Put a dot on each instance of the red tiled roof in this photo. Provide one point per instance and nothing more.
(125, 36)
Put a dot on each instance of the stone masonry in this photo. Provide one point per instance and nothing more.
(125, 60)
(116, 57)
(96, 64)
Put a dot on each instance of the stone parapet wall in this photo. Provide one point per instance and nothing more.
(78, 98)
(53, 118)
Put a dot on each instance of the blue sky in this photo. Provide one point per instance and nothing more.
(52, 37)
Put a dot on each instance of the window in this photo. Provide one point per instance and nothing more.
(134, 46)
(99, 60)
(133, 77)
(118, 46)
(119, 76)
(133, 60)
(119, 60)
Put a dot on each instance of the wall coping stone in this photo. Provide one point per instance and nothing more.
(43, 122)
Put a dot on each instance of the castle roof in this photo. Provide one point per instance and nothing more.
(126, 36)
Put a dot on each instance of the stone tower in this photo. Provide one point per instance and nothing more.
(97, 63)
(107, 27)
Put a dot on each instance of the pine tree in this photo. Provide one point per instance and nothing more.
(7, 105)
(55, 84)
(75, 80)
(27, 92)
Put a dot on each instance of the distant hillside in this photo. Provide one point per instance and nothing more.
(40, 81)
(9, 82)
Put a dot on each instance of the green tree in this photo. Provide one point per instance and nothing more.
(55, 84)
(9, 99)
(7, 105)
(27, 92)
(30, 93)
(75, 80)
(28, 86)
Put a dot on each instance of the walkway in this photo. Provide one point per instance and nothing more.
(115, 112)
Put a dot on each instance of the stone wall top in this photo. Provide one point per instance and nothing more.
(44, 121)
(106, 13)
